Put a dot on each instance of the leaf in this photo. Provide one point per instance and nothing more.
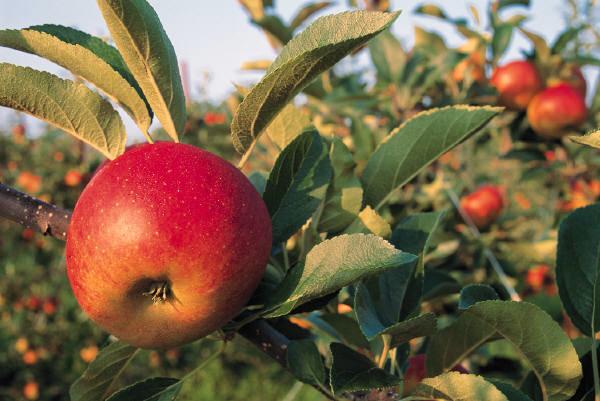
(345, 329)
(344, 195)
(565, 37)
(149, 54)
(511, 393)
(509, 3)
(69, 106)
(308, 11)
(537, 337)
(352, 371)
(455, 386)
(578, 267)
(416, 143)
(334, 264)
(369, 222)
(305, 362)
(274, 26)
(432, 10)
(153, 389)
(402, 332)
(438, 283)
(474, 293)
(541, 47)
(501, 39)
(591, 139)
(315, 50)
(297, 184)
(388, 56)
(429, 41)
(287, 126)
(89, 58)
(96, 382)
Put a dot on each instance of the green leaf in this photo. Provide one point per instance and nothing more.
(89, 58)
(308, 11)
(287, 126)
(429, 41)
(565, 37)
(69, 106)
(344, 195)
(537, 337)
(273, 25)
(431, 10)
(418, 326)
(417, 143)
(345, 329)
(438, 283)
(352, 371)
(455, 386)
(334, 264)
(509, 3)
(297, 184)
(153, 389)
(96, 382)
(305, 362)
(315, 50)
(541, 47)
(388, 57)
(511, 393)
(591, 139)
(578, 268)
(501, 40)
(474, 293)
(149, 54)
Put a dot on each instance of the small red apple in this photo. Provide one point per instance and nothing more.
(31, 390)
(73, 178)
(517, 83)
(570, 74)
(483, 205)
(49, 306)
(554, 110)
(167, 243)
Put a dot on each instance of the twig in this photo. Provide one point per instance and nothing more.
(486, 251)
(34, 213)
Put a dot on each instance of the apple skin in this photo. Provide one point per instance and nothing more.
(517, 83)
(554, 110)
(167, 213)
(483, 205)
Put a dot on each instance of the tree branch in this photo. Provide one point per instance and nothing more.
(33, 213)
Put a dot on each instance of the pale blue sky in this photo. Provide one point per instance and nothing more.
(216, 37)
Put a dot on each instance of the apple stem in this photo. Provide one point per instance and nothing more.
(159, 291)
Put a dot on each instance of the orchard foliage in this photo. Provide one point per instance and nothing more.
(385, 283)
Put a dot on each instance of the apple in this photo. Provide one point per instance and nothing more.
(31, 390)
(570, 74)
(483, 205)
(73, 178)
(166, 244)
(554, 110)
(517, 83)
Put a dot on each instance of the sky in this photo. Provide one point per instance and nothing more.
(215, 37)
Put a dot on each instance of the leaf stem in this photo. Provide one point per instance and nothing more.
(286, 258)
(246, 155)
(387, 341)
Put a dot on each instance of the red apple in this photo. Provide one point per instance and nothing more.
(517, 83)
(167, 243)
(554, 110)
(484, 205)
(73, 178)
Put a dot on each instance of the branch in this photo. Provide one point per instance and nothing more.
(34, 213)
(54, 221)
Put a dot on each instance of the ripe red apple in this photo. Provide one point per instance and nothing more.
(483, 205)
(167, 243)
(570, 74)
(554, 110)
(517, 83)
(73, 178)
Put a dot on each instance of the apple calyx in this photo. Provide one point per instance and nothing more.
(160, 291)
